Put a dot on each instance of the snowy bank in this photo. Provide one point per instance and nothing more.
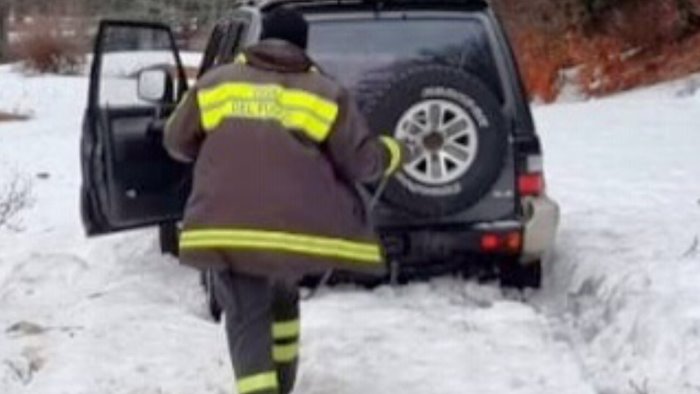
(626, 275)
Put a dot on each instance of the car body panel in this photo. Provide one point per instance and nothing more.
(129, 181)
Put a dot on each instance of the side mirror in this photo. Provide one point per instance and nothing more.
(155, 85)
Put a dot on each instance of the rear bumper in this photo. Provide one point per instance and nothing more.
(426, 252)
(421, 246)
(424, 246)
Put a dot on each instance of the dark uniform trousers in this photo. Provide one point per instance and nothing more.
(262, 326)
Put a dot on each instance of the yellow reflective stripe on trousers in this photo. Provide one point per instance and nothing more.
(279, 241)
(260, 382)
(293, 108)
(285, 353)
(286, 329)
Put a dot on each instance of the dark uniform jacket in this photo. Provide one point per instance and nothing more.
(278, 149)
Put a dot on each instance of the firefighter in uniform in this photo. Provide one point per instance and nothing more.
(277, 147)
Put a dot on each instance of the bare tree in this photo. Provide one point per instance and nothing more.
(14, 198)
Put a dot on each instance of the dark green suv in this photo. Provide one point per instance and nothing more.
(437, 74)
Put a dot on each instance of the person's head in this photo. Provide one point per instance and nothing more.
(286, 24)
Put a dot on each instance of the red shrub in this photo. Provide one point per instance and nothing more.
(622, 45)
(541, 59)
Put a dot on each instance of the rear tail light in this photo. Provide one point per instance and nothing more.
(514, 242)
(510, 242)
(531, 184)
(490, 242)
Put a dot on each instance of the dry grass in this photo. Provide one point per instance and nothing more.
(15, 197)
(7, 117)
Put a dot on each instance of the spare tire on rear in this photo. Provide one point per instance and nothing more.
(456, 126)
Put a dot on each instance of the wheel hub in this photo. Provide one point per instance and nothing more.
(433, 141)
(444, 140)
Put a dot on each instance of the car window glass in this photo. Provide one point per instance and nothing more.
(355, 50)
(125, 52)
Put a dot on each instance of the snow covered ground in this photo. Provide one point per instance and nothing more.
(626, 275)
(620, 311)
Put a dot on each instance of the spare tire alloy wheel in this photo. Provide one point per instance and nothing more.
(443, 141)
(455, 129)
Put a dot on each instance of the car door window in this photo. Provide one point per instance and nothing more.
(225, 42)
(126, 52)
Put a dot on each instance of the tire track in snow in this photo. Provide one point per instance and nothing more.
(446, 336)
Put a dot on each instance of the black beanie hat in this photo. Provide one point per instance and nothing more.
(286, 24)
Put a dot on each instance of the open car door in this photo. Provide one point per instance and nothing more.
(229, 37)
(129, 181)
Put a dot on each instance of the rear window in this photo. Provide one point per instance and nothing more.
(355, 50)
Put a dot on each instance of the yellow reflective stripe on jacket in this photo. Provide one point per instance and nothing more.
(286, 329)
(259, 382)
(285, 353)
(320, 106)
(284, 242)
(292, 108)
(314, 128)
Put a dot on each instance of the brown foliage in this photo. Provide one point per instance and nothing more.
(601, 60)
(626, 44)
(674, 59)
(44, 48)
(541, 59)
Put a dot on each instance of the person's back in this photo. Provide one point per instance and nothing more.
(282, 145)
(278, 149)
